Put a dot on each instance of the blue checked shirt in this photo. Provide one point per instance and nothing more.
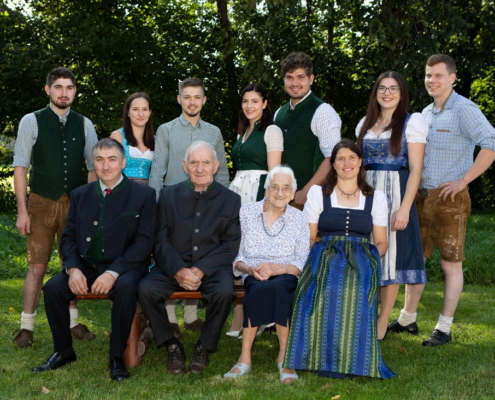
(453, 134)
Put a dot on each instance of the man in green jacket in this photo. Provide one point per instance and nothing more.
(55, 142)
(310, 126)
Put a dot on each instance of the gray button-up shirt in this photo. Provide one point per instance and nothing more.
(172, 141)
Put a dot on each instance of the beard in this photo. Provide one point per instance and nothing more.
(61, 104)
(192, 114)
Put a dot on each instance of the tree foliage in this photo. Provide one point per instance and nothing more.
(116, 47)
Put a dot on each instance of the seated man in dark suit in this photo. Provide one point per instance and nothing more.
(106, 249)
(197, 238)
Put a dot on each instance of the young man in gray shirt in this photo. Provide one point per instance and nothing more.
(172, 141)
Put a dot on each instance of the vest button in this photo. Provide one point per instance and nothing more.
(88, 239)
(198, 214)
(95, 222)
(195, 248)
(196, 230)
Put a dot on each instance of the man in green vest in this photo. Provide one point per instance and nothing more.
(55, 142)
(310, 126)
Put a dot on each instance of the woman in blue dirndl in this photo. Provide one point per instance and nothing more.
(393, 144)
(334, 318)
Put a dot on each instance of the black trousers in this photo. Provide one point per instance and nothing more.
(123, 295)
(217, 290)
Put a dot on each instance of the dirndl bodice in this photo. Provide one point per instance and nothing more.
(377, 156)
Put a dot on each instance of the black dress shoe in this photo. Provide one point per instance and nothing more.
(397, 328)
(200, 359)
(437, 338)
(57, 360)
(176, 363)
(118, 371)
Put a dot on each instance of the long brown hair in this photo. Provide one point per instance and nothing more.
(149, 134)
(331, 181)
(398, 118)
(266, 117)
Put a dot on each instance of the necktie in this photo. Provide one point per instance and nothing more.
(108, 191)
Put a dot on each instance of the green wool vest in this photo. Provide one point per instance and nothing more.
(58, 154)
(301, 148)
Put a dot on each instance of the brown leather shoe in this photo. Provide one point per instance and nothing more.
(200, 359)
(176, 363)
(176, 329)
(81, 332)
(196, 325)
(24, 338)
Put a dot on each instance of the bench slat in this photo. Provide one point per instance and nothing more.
(239, 290)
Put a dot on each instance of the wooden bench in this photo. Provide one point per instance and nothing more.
(132, 357)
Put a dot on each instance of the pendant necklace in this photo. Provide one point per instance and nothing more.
(348, 194)
(383, 128)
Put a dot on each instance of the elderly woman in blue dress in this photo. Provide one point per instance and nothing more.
(274, 248)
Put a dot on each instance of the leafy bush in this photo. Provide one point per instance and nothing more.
(7, 197)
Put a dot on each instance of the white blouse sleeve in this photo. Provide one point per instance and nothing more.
(379, 211)
(274, 139)
(314, 204)
(359, 125)
(416, 129)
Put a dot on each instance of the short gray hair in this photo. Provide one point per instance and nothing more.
(109, 143)
(197, 144)
(281, 169)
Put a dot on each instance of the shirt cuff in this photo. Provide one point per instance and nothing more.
(113, 273)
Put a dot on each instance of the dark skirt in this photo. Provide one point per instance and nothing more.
(269, 301)
(409, 262)
(409, 266)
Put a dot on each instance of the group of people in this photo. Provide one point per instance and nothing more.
(321, 231)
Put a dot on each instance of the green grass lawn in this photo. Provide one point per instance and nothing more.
(463, 369)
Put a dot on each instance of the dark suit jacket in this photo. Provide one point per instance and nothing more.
(128, 226)
(197, 229)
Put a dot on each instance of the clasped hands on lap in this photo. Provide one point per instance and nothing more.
(189, 278)
(78, 283)
(265, 270)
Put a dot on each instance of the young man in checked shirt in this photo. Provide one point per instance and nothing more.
(56, 142)
(456, 126)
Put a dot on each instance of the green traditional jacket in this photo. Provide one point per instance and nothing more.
(58, 154)
(301, 147)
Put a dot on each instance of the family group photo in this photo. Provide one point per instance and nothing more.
(277, 199)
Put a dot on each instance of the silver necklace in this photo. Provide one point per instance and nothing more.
(348, 194)
(266, 230)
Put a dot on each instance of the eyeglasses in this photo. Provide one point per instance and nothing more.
(392, 89)
(276, 188)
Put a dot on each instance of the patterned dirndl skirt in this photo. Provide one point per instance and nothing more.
(335, 310)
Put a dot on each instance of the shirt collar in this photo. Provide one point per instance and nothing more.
(304, 98)
(103, 187)
(261, 203)
(191, 186)
(62, 119)
(184, 122)
(448, 104)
